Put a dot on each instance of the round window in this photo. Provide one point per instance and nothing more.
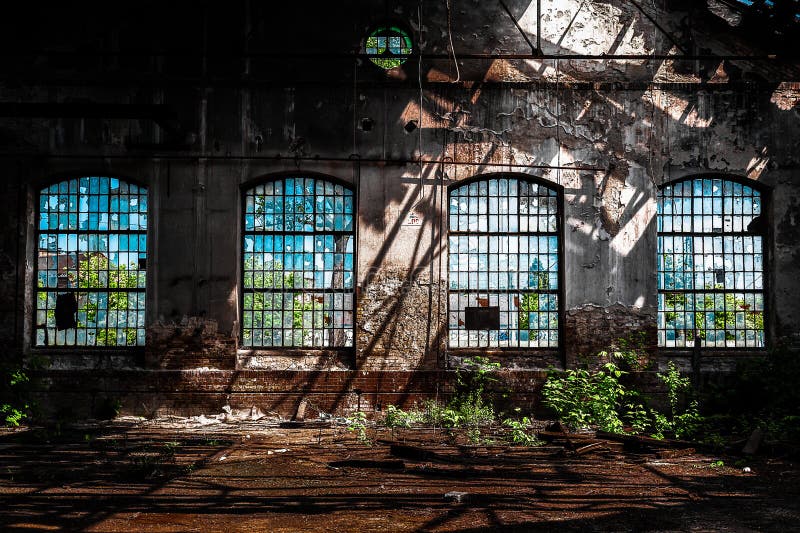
(388, 46)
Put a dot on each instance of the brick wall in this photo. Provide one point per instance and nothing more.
(194, 342)
(591, 329)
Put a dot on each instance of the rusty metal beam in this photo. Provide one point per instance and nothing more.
(283, 55)
(280, 157)
(534, 50)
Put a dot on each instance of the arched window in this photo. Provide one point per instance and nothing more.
(504, 264)
(91, 261)
(298, 264)
(710, 264)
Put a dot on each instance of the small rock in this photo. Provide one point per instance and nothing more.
(753, 442)
(456, 497)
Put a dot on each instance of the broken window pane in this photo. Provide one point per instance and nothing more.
(710, 273)
(503, 253)
(90, 270)
(298, 270)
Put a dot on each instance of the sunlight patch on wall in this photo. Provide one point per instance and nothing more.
(681, 110)
(758, 164)
(786, 96)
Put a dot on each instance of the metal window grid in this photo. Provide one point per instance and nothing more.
(504, 252)
(710, 264)
(298, 264)
(91, 244)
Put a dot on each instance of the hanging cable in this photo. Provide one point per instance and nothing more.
(450, 37)
(355, 104)
(420, 195)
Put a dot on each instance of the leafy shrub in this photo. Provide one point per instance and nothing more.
(397, 418)
(682, 422)
(582, 398)
(764, 393)
(358, 425)
(13, 406)
(520, 432)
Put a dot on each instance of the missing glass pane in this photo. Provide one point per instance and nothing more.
(92, 241)
(299, 264)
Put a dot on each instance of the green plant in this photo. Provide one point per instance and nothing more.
(717, 464)
(11, 415)
(583, 398)
(170, 448)
(471, 406)
(520, 432)
(473, 382)
(631, 351)
(637, 417)
(682, 422)
(358, 424)
(397, 418)
(763, 394)
(13, 404)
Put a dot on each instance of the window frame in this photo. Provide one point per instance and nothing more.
(559, 349)
(35, 190)
(297, 350)
(765, 194)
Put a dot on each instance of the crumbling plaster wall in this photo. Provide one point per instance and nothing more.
(616, 128)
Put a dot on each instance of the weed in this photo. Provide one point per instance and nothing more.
(717, 464)
(471, 406)
(682, 423)
(582, 398)
(170, 448)
(397, 418)
(520, 432)
(358, 424)
(764, 394)
(637, 416)
(13, 416)
(13, 406)
(631, 352)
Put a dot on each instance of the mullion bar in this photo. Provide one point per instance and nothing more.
(509, 291)
(91, 289)
(503, 233)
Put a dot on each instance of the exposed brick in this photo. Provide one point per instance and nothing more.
(591, 329)
(194, 342)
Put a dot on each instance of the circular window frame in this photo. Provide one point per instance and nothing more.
(384, 58)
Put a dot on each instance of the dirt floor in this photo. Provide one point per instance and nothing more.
(208, 475)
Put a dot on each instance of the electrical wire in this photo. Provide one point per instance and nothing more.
(421, 194)
(450, 37)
